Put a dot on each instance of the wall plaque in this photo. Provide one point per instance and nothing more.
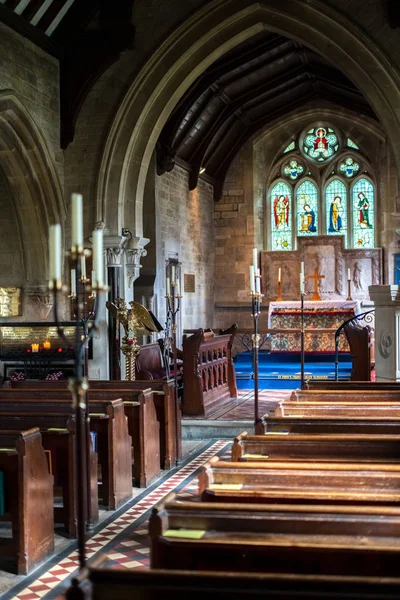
(10, 302)
(188, 283)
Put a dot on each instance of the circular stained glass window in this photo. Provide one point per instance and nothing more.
(320, 144)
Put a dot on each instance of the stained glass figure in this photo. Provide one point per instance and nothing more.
(289, 148)
(293, 169)
(307, 209)
(336, 208)
(349, 167)
(363, 200)
(351, 144)
(281, 217)
(320, 144)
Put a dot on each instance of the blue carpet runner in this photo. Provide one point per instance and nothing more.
(281, 370)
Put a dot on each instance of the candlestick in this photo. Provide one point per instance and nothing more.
(279, 274)
(349, 290)
(168, 283)
(73, 282)
(279, 298)
(83, 267)
(255, 259)
(55, 253)
(98, 256)
(252, 281)
(173, 274)
(77, 221)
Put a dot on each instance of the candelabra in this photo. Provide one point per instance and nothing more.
(173, 297)
(86, 322)
(256, 298)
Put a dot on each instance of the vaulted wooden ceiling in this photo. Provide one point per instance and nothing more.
(259, 81)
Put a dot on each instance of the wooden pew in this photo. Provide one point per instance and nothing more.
(154, 584)
(208, 372)
(300, 482)
(362, 396)
(107, 419)
(348, 386)
(324, 447)
(153, 419)
(311, 425)
(279, 538)
(28, 490)
(339, 409)
(58, 437)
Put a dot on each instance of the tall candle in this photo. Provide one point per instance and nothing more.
(93, 279)
(348, 275)
(252, 282)
(55, 252)
(73, 282)
(177, 289)
(168, 284)
(302, 267)
(258, 282)
(77, 220)
(279, 275)
(83, 267)
(301, 282)
(255, 259)
(97, 242)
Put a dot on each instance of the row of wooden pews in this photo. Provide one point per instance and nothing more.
(131, 436)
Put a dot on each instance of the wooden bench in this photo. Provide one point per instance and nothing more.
(28, 488)
(58, 438)
(126, 584)
(363, 396)
(311, 425)
(323, 447)
(153, 419)
(339, 409)
(208, 372)
(107, 419)
(300, 482)
(330, 384)
(262, 538)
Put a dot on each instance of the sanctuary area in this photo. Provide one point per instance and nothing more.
(199, 299)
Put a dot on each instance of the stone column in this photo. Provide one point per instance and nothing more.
(114, 249)
(386, 299)
(134, 252)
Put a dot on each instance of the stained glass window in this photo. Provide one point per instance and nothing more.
(336, 208)
(349, 167)
(307, 209)
(351, 144)
(289, 148)
(293, 169)
(363, 200)
(320, 143)
(281, 217)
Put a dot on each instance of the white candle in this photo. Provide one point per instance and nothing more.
(255, 259)
(173, 274)
(93, 279)
(177, 289)
(348, 275)
(302, 267)
(73, 282)
(97, 243)
(168, 282)
(55, 252)
(252, 282)
(258, 282)
(77, 220)
(83, 267)
(279, 275)
(301, 282)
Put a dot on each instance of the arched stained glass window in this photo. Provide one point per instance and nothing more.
(307, 209)
(281, 217)
(363, 201)
(336, 208)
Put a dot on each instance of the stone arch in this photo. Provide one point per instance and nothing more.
(207, 35)
(33, 182)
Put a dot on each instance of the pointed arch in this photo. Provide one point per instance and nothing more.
(335, 199)
(307, 208)
(280, 200)
(363, 209)
(33, 181)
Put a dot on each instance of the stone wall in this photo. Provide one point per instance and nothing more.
(185, 229)
(11, 261)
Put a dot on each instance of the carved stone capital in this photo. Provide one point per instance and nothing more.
(134, 252)
(114, 248)
(39, 303)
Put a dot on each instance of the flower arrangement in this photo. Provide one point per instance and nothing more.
(54, 376)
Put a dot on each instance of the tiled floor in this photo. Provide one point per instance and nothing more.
(122, 535)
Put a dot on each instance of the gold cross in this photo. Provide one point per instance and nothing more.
(316, 278)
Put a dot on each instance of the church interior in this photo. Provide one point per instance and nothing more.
(199, 299)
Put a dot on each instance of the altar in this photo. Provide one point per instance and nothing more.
(325, 314)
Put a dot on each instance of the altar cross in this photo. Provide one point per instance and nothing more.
(316, 278)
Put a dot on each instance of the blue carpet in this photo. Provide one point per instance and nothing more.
(281, 370)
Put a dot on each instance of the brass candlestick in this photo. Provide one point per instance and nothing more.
(279, 298)
(349, 290)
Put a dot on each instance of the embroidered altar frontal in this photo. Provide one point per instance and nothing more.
(317, 315)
